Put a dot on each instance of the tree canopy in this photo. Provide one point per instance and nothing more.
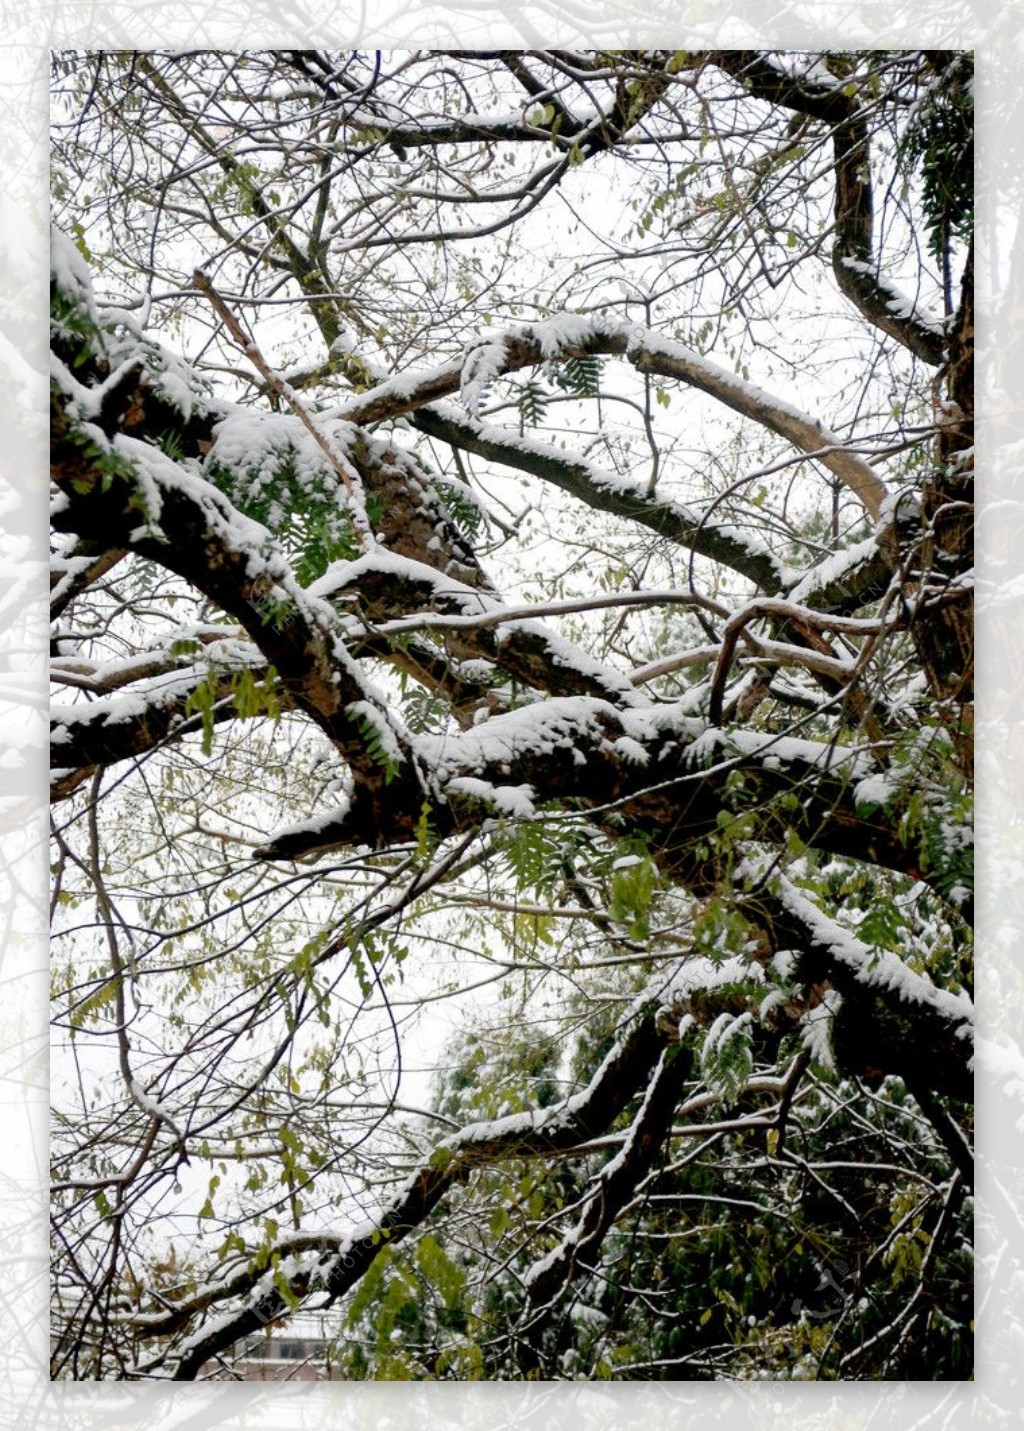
(511, 744)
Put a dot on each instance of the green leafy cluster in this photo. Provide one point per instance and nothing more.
(770, 1271)
(633, 882)
(462, 510)
(580, 376)
(666, 201)
(408, 1319)
(75, 335)
(374, 742)
(543, 854)
(532, 400)
(487, 1078)
(726, 1057)
(250, 697)
(300, 503)
(370, 952)
(421, 710)
(939, 143)
(577, 376)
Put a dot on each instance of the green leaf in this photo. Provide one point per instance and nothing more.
(581, 375)
(374, 742)
(290, 1297)
(439, 1269)
(97, 1000)
(532, 402)
(201, 702)
(426, 838)
(634, 880)
(369, 1287)
(207, 1208)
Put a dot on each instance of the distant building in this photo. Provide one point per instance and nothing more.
(282, 1358)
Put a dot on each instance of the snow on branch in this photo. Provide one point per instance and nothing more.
(382, 584)
(189, 527)
(893, 1019)
(661, 769)
(611, 1189)
(579, 335)
(705, 534)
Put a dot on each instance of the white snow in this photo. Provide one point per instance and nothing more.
(874, 790)
(515, 801)
(831, 569)
(481, 364)
(70, 272)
